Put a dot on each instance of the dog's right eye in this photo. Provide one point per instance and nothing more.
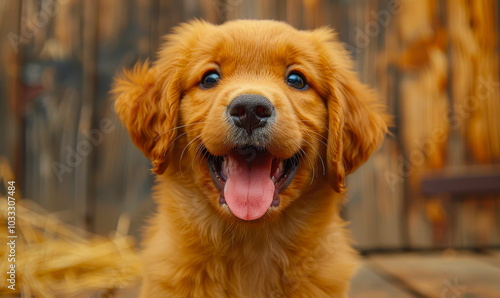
(296, 80)
(210, 79)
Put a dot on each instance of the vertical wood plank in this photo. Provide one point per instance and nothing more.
(85, 189)
(11, 144)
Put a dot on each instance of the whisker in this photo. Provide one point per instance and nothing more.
(198, 151)
(320, 135)
(328, 130)
(312, 165)
(171, 143)
(181, 126)
(316, 138)
(322, 163)
(182, 153)
(205, 155)
(201, 155)
(304, 155)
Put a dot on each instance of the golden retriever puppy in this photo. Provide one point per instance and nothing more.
(252, 127)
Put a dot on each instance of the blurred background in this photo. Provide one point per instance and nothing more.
(434, 185)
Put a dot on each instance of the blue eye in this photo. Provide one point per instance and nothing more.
(296, 80)
(210, 80)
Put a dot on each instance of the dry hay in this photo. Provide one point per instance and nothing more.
(54, 259)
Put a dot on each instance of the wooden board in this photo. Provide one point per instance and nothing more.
(369, 283)
(492, 257)
(435, 275)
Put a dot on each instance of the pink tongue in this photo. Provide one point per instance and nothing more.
(249, 189)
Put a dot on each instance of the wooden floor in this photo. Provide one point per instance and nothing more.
(444, 275)
(440, 274)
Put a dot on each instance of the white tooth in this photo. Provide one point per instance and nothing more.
(224, 168)
(273, 179)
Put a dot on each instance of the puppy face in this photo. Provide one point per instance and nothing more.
(254, 113)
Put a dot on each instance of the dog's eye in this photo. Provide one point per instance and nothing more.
(210, 79)
(296, 80)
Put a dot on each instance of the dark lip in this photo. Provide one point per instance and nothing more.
(291, 166)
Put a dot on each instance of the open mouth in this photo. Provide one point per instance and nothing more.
(251, 179)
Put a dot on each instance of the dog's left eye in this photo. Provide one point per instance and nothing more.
(296, 80)
(210, 80)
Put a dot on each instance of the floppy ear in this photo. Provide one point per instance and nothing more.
(357, 123)
(147, 111)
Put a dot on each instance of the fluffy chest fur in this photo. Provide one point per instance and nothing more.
(191, 252)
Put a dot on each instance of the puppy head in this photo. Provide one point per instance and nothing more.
(255, 113)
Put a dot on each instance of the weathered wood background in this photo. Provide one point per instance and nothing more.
(434, 62)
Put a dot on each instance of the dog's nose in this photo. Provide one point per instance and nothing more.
(250, 111)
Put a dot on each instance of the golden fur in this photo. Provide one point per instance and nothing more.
(195, 247)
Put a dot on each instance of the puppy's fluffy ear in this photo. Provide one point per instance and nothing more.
(357, 124)
(149, 113)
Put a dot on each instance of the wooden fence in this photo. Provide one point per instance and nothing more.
(435, 64)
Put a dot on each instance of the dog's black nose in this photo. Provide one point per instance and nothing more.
(250, 111)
